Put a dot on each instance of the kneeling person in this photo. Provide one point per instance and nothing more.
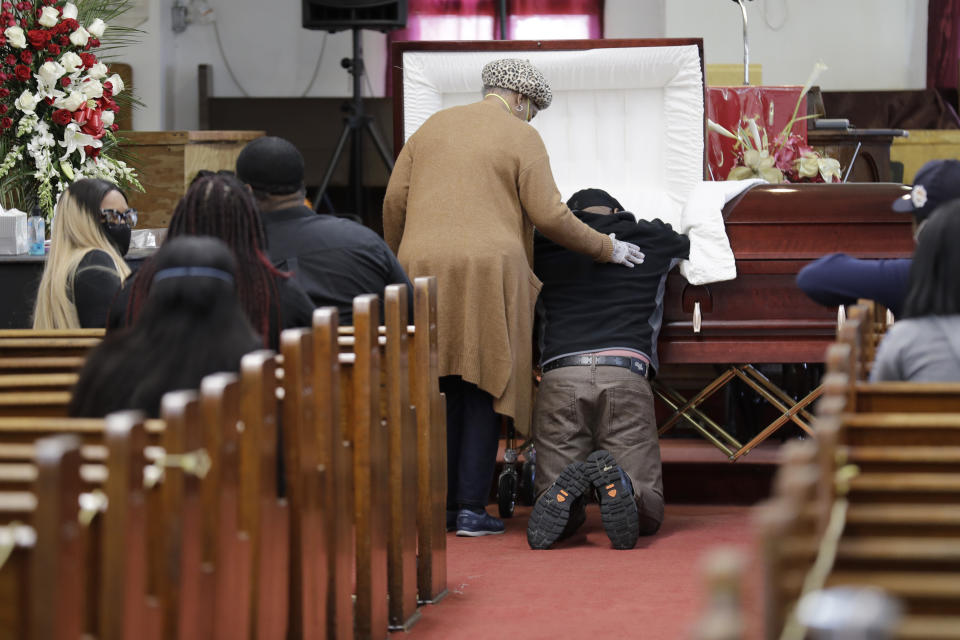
(594, 427)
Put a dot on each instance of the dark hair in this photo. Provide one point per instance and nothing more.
(221, 206)
(935, 272)
(90, 192)
(190, 326)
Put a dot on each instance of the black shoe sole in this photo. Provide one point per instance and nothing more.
(618, 510)
(551, 513)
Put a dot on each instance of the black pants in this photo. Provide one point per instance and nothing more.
(473, 434)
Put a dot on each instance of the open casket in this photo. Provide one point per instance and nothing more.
(628, 117)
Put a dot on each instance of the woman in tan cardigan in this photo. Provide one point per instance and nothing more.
(462, 202)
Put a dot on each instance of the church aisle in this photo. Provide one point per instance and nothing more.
(499, 588)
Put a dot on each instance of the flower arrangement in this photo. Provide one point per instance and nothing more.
(58, 100)
(787, 158)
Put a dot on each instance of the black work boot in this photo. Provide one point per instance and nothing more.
(560, 509)
(618, 510)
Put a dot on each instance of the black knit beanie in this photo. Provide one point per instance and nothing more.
(272, 165)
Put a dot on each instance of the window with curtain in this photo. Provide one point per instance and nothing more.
(480, 20)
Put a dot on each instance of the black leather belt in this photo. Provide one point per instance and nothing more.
(634, 364)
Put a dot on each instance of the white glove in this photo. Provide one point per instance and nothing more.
(626, 253)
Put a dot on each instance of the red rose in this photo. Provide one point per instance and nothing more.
(22, 72)
(94, 42)
(63, 41)
(6, 122)
(3, 40)
(26, 56)
(114, 127)
(49, 101)
(4, 92)
(88, 60)
(7, 5)
(53, 49)
(65, 81)
(38, 38)
(62, 117)
(10, 59)
(3, 109)
(69, 24)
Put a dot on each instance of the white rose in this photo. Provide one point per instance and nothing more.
(116, 82)
(107, 117)
(72, 102)
(92, 88)
(15, 37)
(79, 37)
(49, 17)
(50, 72)
(97, 71)
(96, 28)
(27, 102)
(70, 11)
(71, 62)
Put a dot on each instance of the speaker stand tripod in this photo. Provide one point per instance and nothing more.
(354, 125)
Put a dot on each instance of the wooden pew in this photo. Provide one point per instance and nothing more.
(224, 584)
(265, 516)
(226, 546)
(366, 431)
(118, 607)
(54, 351)
(430, 415)
(335, 454)
(305, 480)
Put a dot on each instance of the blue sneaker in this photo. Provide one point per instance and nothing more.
(559, 511)
(618, 509)
(478, 524)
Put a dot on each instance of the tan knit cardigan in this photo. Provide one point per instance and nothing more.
(462, 202)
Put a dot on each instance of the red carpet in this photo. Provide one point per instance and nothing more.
(499, 588)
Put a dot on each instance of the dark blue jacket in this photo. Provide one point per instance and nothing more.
(837, 279)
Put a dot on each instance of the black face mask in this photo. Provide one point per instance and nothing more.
(119, 235)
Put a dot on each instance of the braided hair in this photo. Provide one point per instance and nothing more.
(221, 206)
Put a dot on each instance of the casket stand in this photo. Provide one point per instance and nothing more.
(759, 317)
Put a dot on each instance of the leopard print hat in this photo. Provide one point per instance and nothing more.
(520, 76)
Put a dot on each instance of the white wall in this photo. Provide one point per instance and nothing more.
(867, 44)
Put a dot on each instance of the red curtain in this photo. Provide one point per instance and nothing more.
(943, 43)
(481, 21)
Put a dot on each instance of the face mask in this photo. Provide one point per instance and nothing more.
(119, 235)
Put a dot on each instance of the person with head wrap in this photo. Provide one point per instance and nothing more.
(461, 204)
(333, 259)
(594, 428)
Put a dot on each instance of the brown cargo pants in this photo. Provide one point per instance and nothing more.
(580, 409)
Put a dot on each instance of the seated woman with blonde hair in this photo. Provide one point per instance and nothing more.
(924, 346)
(89, 236)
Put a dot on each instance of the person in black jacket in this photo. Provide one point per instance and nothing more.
(594, 427)
(89, 236)
(219, 205)
(333, 259)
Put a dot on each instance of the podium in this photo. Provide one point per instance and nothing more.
(166, 162)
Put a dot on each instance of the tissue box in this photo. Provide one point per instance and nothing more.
(14, 233)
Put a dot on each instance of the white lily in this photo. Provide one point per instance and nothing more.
(74, 140)
(717, 128)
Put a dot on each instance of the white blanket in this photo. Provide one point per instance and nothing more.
(701, 218)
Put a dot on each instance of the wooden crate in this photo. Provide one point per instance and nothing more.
(168, 160)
